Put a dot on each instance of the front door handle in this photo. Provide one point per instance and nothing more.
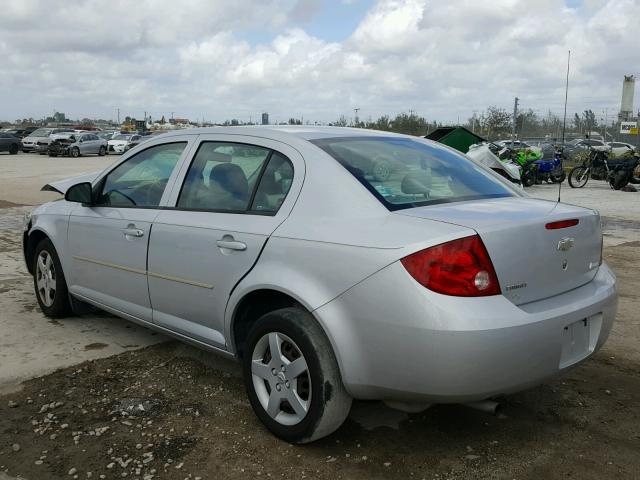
(132, 231)
(231, 244)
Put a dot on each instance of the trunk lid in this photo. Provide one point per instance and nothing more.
(531, 261)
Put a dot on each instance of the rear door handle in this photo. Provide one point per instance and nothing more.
(132, 231)
(232, 244)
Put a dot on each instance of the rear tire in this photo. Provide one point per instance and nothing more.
(578, 177)
(13, 149)
(310, 377)
(49, 282)
(619, 180)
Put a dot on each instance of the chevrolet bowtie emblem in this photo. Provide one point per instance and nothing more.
(565, 244)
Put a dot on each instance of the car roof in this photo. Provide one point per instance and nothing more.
(305, 132)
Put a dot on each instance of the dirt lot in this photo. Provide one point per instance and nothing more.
(169, 411)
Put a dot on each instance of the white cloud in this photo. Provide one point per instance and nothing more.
(228, 58)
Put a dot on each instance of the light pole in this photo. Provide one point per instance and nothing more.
(515, 117)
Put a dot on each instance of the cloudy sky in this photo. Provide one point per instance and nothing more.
(222, 59)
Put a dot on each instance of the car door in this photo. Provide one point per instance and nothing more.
(108, 240)
(82, 144)
(93, 144)
(233, 195)
(5, 142)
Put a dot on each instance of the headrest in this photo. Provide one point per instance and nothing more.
(231, 178)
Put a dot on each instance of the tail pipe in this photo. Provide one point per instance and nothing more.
(486, 406)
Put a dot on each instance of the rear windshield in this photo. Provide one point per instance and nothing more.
(406, 173)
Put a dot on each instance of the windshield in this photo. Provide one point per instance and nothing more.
(121, 137)
(406, 173)
(41, 132)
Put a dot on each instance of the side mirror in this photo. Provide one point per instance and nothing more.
(80, 193)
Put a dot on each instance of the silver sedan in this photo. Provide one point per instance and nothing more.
(334, 263)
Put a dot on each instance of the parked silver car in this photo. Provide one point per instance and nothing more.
(77, 144)
(30, 142)
(440, 283)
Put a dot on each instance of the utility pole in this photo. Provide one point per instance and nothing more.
(473, 125)
(515, 117)
(355, 111)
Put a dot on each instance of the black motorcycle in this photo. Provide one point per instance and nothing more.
(599, 166)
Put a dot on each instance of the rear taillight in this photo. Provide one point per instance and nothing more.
(461, 268)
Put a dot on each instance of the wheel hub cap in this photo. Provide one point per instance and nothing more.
(46, 278)
(281, 378)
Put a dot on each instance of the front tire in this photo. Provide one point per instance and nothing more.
(102, 152)
(13, 149)
(49, 282)
(528, 180)
(75, 152)
(578, 177)
(292, 377)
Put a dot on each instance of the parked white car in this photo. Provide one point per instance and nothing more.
(285, 249)
(621, 148)
(122, 142)
(518, 145)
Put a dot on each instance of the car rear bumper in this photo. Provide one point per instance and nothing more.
(396, 340)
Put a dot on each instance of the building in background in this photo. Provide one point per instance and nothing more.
(265, 118)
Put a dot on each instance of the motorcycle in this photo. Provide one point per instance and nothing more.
(487, 154)
(598, 165)
(526, 159)
(551, 170)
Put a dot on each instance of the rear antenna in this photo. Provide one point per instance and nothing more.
(564, 121)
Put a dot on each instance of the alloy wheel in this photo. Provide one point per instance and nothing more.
(281, 378)
(46, 278)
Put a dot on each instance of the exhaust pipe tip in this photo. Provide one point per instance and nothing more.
(486, 406)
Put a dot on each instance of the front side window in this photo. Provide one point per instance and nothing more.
(140, 181)
(406, 173)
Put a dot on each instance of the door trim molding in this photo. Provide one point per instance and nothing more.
(170, 278)
(180, 280)
(110, 265)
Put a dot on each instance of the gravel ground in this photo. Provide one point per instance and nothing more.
(169, 411)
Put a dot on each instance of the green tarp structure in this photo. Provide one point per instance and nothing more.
(456, 137)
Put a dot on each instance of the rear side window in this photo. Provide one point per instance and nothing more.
(406, 173)
(236, 178)
(274, 185)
